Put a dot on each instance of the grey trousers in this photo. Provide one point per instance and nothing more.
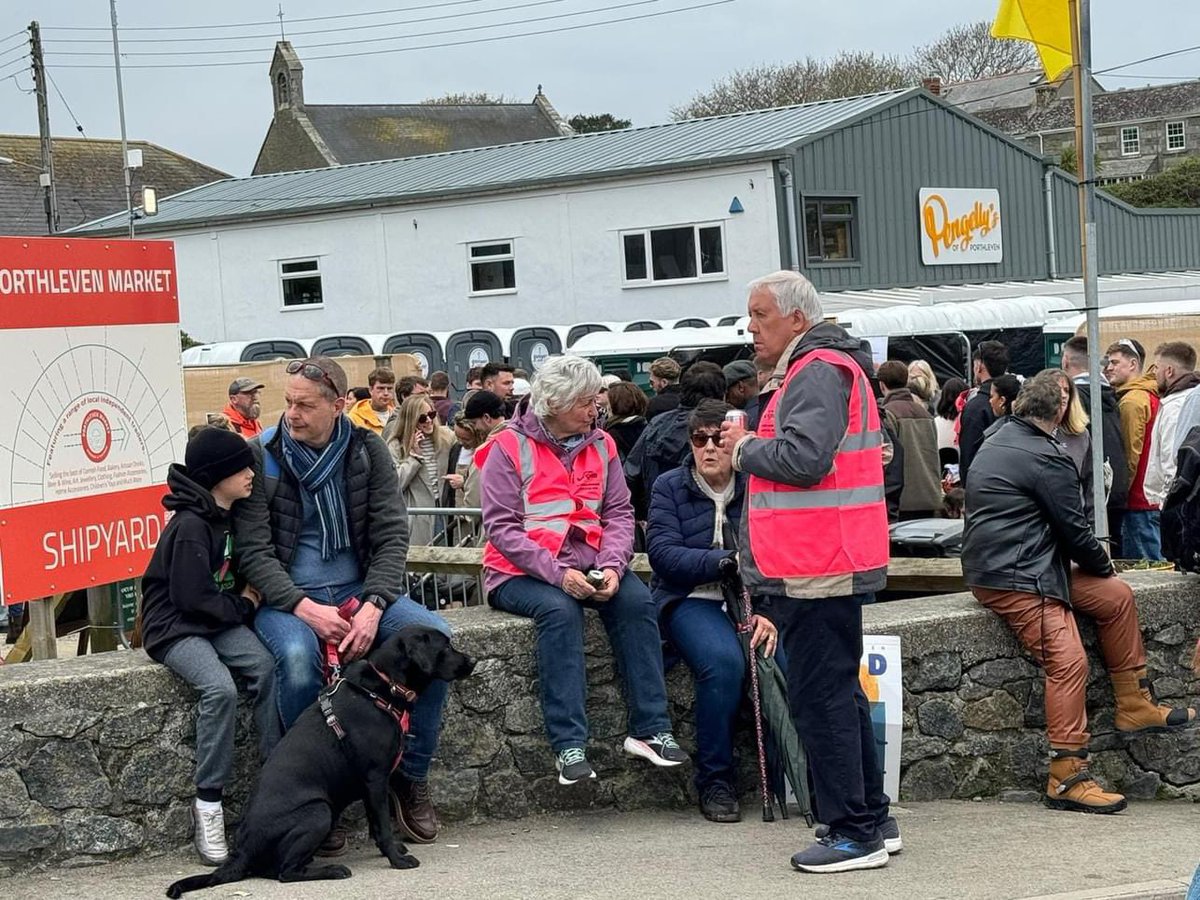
(209, 664)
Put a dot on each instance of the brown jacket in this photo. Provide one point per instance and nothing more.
(913, 425)
(1133, 404)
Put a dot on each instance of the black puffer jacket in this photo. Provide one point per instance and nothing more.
(266, 531)
(1025, 516)
(1114, 449)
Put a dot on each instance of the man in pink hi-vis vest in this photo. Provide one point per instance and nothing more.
(814, 548)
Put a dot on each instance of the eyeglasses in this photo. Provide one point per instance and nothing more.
(700, 439)
(423, 418)
(312, 372)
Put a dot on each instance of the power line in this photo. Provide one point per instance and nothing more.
(434, 46)
(70, 112)
(19, 61)
(1145, 59)
(20, 45)
(273, 23)
(271, 36)
(20, 33)
(420, 34)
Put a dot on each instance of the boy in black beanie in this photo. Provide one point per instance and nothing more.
(194, 619)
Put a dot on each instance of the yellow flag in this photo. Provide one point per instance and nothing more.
(1044, 23)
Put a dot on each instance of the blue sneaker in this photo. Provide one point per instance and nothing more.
(889, 831)
(834, 853)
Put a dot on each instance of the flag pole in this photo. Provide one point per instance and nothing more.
(1085, 153)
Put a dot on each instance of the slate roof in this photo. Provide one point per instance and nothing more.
(1154, 102)
(761, 134)
(1013, 91)
(89, 179)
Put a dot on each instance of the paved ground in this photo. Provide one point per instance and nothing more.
(964, 851)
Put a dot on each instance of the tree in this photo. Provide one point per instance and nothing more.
(966, 52)
(1176, 188)
(584, 124)
(186, 341)
(803, 81)
(469, 98)
(1068, 161)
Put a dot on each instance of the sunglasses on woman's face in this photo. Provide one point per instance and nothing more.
(701, 438)
(423, 418)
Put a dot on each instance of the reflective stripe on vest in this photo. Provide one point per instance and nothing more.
(839, 525)
(548, 521)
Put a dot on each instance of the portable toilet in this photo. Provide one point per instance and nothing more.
(424, 346)
(644, 325)
(264, 351)
(468, 349)
(692, 323)
(530, 347)
(578, 331)
(342, 345)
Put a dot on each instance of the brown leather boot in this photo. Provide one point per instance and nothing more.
(1071, 786)
(1137, 710)
(412, 809)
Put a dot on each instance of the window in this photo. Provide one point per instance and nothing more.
(829, 229)
(681, 253)
(1175, 136)
(301, 282)
(1131, 144)
(493, 268)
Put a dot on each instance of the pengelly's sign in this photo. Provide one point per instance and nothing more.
(91, 413)
(960, 226)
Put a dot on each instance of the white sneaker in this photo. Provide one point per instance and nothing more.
(210, 834)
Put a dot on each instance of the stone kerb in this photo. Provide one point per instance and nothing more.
(96, 753)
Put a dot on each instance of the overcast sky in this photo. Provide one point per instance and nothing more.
(635, 69)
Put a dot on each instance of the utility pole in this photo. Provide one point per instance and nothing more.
(1085, 147)
(49, 184)
(112, 5)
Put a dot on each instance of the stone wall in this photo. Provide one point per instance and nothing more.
(96, 753)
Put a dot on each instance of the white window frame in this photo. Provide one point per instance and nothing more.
(650, 280)
(511, 255)
(1182, 136)
(1136, 141)
(293, 276)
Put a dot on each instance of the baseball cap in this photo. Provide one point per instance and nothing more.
(244, 386)
(484, 403)
(739, 370)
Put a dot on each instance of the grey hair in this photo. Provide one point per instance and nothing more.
(793, 293)
(560, 382)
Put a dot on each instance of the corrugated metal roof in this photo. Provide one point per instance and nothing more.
(749, 135)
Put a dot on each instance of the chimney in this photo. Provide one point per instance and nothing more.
(1044, 95)
(933, 84)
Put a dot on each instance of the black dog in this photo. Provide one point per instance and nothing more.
(332, 757)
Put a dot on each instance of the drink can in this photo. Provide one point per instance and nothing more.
(737, 416)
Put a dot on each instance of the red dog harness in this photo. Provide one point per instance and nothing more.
(398, 716)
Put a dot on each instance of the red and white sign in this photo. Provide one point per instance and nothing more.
(92, 410)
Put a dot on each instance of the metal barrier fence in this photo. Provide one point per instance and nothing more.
(452, 527)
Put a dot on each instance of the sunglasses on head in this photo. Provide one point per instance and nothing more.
(312, 372)
(1130, 346)
(701, 438)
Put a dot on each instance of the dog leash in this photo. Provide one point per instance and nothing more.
(333, 661)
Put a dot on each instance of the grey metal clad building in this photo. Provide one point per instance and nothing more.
(872, 180)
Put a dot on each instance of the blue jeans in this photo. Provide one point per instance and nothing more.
(1194, 891)
(299, 669)
(1140, 535)
(632, 626)
(706, 640)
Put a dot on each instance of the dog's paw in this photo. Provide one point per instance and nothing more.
(404, 861)
(336, 871)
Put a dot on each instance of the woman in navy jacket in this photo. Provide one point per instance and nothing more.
(693, 521)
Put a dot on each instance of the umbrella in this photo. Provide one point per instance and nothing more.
(781, 756)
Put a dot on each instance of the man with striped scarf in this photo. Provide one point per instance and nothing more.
(326, 522)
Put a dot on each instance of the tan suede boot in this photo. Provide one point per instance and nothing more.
(1137, 709)
(1071, 786)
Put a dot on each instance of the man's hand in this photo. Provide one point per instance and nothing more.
(763, 632)
(322, 619)
(454, 480)
(612, 581)
(575, 584)
(363, 627)
(731, 433)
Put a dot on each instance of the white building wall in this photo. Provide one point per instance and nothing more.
(406, 268)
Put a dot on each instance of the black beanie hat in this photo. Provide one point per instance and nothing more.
(214, 454)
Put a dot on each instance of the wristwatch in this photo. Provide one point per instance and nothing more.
(375, 600)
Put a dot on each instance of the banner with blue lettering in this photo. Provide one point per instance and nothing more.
(880, 674)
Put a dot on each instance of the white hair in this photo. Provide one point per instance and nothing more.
(561, 382)
(793, 293)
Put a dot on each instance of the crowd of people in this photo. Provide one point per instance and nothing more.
(289, 542)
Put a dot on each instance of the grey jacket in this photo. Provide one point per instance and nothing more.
(811, 419)
(922, 468)
(266, 524)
